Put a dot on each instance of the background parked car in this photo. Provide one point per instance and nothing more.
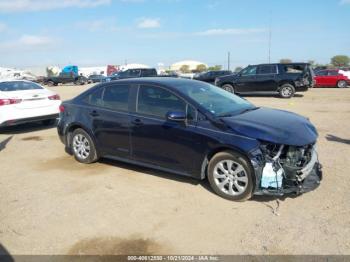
(284, 79)
(24, 101)
(210, 76)
(65, 78)
(133, 73)
(96, 79)
(331, 78)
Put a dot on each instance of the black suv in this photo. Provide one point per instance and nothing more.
(285, 79)
(210, 76)
(133, 73)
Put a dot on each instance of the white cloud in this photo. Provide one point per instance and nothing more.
(343, 2)
(230, 31)
(34, 40)
(42, 5)
(3, 27)
(148, 23)
(28, 43)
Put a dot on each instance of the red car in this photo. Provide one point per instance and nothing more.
(331, 78)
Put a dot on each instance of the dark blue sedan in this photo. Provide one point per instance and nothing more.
(194, 129)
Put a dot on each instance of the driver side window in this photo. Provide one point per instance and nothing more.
(156, 101)
(249, 71)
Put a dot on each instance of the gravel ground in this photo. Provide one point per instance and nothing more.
(50, 204)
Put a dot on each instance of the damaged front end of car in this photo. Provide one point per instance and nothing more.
(285, 169)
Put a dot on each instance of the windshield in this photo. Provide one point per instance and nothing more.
(18, 86)
(216, 100)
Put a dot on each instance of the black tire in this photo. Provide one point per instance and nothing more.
(287, 91)
(342, 84)
(50, 83)
(228, 88)
(49, 122)
(238, 160)
(91, 155)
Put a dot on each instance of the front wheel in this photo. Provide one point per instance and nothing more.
(230, 176)
(287, 91)
(83, 147)
(50, 83)
(342, 84)
(229, 88)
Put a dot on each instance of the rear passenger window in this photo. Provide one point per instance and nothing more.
(157, 101)
(95, 98)
(267, 69)
(149, 72)
(332, 73)
(321, 73)
(116, 97)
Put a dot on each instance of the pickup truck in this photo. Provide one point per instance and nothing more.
(282, 79)
(64, 78)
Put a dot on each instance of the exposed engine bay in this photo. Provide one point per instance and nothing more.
(288, 169)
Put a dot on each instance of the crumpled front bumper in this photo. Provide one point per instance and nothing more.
(307, 179)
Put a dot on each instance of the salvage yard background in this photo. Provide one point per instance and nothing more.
(51, 204)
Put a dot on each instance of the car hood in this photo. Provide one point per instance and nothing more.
(228, 77)
(275, 126)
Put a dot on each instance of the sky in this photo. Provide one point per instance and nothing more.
(35, 33)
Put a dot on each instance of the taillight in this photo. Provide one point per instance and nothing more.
(61, 108)
(9, 101)
(54, 97)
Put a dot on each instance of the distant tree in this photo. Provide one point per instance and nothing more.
(201, 68)
(285, 61)
(215, 68)
(340, 60)
(311, 62)
(185, 69)
(238, 69)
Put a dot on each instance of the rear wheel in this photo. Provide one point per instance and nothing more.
(230, 176)
(342, 84)
(83, 147)
(229, 88)
(287, 91)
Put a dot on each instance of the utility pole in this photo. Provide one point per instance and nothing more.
(228, 60)
(270, 37)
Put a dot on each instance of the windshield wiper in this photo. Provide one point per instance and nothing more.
(248, 109)
(225, 115)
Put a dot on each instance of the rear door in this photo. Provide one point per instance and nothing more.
(108, 113)
(266, 78)
(321, 78)
(157, 141)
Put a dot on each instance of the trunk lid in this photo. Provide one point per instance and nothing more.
(30, 98)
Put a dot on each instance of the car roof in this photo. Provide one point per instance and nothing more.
(281, 64)
(168, 81)
(15, 80)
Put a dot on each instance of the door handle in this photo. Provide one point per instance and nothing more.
(94, 113)
(137, 122)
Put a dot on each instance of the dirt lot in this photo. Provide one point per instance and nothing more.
(50, 204)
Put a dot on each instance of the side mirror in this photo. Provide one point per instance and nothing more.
(176, 116)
